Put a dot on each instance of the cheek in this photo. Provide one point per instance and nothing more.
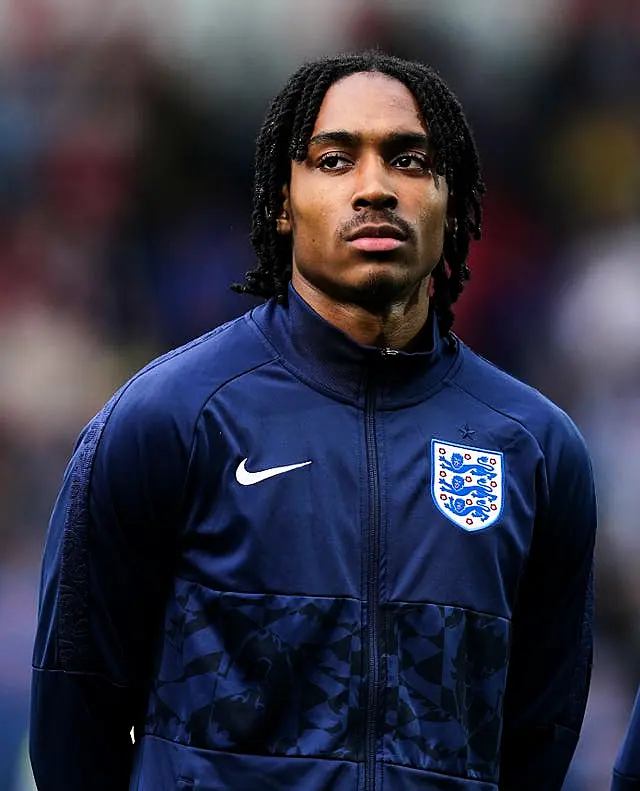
(318, 206)
(432, 219)
(313, 224)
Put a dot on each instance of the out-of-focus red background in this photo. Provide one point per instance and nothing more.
(126, 149)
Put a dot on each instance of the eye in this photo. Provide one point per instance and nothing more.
(334, 162)
(411, 161)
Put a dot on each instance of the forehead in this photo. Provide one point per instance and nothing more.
(371, 104)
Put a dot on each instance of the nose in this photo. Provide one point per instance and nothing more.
(374, 189)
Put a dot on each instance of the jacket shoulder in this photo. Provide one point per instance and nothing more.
(546, 421)
(169, 393)
(195, 371)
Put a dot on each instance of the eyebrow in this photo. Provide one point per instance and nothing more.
(352, 140)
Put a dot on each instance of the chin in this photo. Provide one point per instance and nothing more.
(374, 285)
(380, 287)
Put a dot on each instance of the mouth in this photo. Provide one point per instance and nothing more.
(377, 238)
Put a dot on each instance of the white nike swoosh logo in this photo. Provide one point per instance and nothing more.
(246, 478)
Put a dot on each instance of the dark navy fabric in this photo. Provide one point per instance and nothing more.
(626, 775)
(330, 627)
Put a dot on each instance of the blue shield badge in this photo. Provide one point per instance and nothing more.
(467, 484)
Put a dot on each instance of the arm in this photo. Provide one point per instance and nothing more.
(550, 665)
(104, 573)
(626, 773)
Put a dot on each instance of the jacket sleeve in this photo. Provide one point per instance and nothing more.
(551, 651)
(626, 772)
(104, 576)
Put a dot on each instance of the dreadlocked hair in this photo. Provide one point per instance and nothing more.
(285, 136)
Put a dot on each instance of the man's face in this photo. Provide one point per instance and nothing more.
(364, 209)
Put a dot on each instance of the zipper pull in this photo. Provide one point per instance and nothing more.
(386, 352)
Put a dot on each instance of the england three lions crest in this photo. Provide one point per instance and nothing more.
(467, 484)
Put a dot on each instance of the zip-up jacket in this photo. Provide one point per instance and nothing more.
(626, 772)
(294, 563)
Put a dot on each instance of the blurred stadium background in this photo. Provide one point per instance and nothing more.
(126, 135)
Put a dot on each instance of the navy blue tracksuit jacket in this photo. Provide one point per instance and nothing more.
(294, 563)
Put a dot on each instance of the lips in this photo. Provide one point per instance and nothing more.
(385, 231)
(377, 238)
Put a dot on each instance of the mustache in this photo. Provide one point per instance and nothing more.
(376, 217)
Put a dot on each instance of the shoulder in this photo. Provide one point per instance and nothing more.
(193, 372)
(167, 396)
(553, 429)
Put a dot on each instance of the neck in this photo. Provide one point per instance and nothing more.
(395, 327)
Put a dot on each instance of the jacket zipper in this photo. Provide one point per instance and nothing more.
(373, 593)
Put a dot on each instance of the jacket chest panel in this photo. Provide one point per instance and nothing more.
(301, 488)
(458, 511)
(283, 513)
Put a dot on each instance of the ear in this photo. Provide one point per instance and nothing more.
(283, 221)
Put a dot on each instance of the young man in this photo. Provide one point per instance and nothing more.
(326, 546)
(626, 773)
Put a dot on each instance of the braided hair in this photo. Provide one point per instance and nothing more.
(284, 138)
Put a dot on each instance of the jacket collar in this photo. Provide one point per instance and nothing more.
(328, 359)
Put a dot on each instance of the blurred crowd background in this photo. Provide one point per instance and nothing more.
(126, 152)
